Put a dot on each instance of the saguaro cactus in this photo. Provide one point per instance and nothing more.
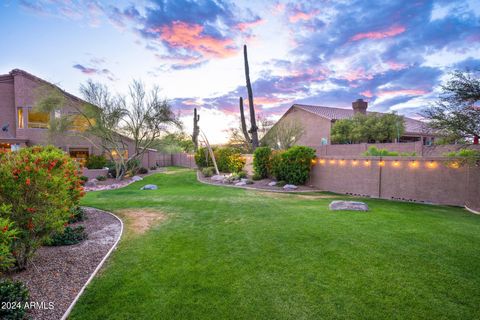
(196, 129)
(253, 123)
(244, 123)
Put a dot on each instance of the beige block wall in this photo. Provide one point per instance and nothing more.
(430, 180)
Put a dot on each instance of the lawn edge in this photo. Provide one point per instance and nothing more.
(94, 273)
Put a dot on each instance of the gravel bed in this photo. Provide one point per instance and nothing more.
(111, 184)
(56, 274)
(257, 185)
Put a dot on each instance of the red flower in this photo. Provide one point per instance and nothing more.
(31, 210)
(65, 224)
(27, 182)
(30, 225)
(5, 229)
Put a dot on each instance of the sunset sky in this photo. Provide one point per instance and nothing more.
(392, 53)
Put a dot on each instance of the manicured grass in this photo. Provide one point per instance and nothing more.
(226, 253)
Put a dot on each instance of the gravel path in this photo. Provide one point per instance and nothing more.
(56, 274)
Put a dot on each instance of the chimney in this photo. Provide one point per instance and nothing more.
(360, 106)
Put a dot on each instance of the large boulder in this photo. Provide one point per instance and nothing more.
(290, 187)
(272, 183)
(149, 187)
(348, 205)
(91, 183)
(137, 178)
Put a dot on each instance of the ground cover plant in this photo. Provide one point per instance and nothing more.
(224, 253)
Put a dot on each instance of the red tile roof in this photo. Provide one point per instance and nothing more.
(412, 126)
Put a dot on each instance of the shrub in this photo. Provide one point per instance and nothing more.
(133, 165)
(236, 162)
(208, 172)
(242, 174)
(202, 158)
(7, 234)
(68, 237)
(256, 177)
(84, 179)
(376, 152)
(280, 183)
(77, 214)
(13, 292)
(229, 160)
(465, 156)
(40, 184)
(275, 164)
(142, 170)
(96, 162)
(153, 168)
(261, 161)
(101, 178)
(294, 165)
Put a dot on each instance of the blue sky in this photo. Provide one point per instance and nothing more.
(394, 54)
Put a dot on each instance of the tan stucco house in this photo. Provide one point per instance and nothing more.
(317, 123)
(21, 125)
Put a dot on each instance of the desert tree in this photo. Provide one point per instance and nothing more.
(284, 134)
(454, 113)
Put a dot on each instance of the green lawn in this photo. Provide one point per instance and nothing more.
(226, 253)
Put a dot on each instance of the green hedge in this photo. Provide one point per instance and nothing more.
(96, 162)
(261, 162)
(202, 158)
(293, 166)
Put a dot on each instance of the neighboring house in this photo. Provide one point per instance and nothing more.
(317, 123)
(23, 126)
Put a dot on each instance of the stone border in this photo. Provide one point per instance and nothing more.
(472, 211)
(253, 188)
(114, 246)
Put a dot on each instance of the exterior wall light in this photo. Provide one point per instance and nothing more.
(354, 163)
(366, 163)
(413, 164)
(381, 163)
(322, 161)
(431, 164)
(396, 163)
(332, 161)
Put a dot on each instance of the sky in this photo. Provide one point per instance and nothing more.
(393, 53)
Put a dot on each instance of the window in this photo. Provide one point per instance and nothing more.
(20, 118)
(80, 123)
(324, 141)
(114, 154)
(38, 119)
(79, 154)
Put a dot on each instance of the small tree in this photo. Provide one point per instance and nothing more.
(284, 134)
(455, 113)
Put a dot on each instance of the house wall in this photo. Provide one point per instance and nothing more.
(7, 106)
(429, 180)
(315, 127)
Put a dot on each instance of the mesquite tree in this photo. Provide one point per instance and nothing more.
(455, 113)
(253, 137)
(196, 129)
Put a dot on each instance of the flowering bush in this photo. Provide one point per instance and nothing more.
(7, 234)
(40, 184)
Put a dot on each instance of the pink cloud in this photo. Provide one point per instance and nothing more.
(242, 26)
(189, 36)
(268, 100)
(390, 32)
(356, 74)
(299, 15)
(401, 92)
(367, 93)
(396, 66)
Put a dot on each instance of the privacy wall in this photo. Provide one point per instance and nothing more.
(425, 179)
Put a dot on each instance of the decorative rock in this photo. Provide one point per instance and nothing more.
(290, 187)
(272, 184)
(244, 180)
(348, 205)
(149, 187)
(91, 183)
(137, 178)
(241, 183)
(217, 177)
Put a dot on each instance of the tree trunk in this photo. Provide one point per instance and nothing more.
(253, 122)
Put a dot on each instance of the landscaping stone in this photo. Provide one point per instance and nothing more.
(149, 187)
(217, 177)
(272, 184)
(91, 183)
(137, 178)
(244, 180)
(241, 183)
(290, 187)
(348, 205)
